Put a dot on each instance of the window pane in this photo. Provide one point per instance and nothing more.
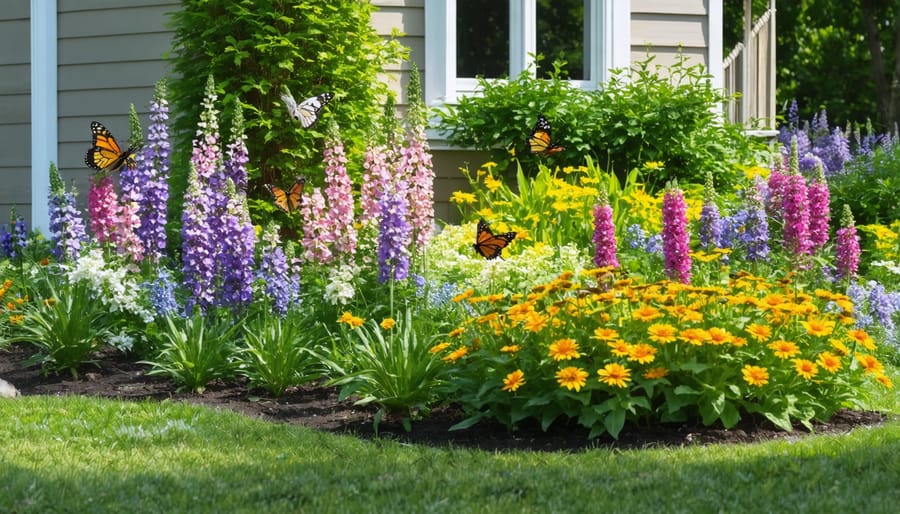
(482, 38)
(561, 35)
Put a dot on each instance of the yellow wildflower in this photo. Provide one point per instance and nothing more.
(805, 368)
(784, 349)
(572, 378)
(615, 374)
(755, 375)
(564, 349)
(513, 381)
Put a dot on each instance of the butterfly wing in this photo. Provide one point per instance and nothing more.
(539, 141)
(288, 201)
(105, 153)
(295, 195)
(281, 197)
(308, 110)
(488, 244)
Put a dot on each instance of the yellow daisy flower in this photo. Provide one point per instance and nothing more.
(784, 349)
(615, 374)
(513, 381)
(564, 349)
(661, 333)
(642, 353)
(572, 378)
(755, 375)
(805, 368)
(829, 362)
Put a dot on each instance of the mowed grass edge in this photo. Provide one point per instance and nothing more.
(77, 454)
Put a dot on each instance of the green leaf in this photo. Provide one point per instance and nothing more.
(614, 422)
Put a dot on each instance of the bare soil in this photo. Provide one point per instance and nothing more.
(114, 375)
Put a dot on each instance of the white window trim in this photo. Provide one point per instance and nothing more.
(609, 46)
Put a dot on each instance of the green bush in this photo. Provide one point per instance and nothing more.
(255, 48)
(642, 114)
(870, 187)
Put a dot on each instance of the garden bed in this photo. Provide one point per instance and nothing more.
(316, 406)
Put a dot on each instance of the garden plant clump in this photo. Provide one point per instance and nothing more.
(659, 294)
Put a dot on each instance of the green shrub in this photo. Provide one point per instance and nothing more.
(390, 364)
(870, 187)
(641, 115)
(279, 351)
(197, 350)
(67, 324)
(253, 49)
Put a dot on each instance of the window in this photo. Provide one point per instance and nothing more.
(465, 39)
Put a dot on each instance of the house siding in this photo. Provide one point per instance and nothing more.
(110, 55)
(667, 28)
(15, 109)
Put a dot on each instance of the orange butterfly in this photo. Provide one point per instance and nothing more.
(288, 201)
(539, 140)
(488, 244)
(105, 153)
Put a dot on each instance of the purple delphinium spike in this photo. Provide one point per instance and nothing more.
(604, 238)
(279, 283)
(847, 246)
(819, 213)
(675, 237)
(711, 225)
(236, 155)
(66, 224)
(153, 168)
(235, 259)
(795, 208)
(394, 236)
(197, 246)
(755, 236)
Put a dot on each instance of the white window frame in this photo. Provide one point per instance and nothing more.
(608, 45)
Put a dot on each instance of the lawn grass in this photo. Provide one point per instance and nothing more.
(75, 454)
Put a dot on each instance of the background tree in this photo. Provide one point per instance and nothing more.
(253, 49)
(834, 55)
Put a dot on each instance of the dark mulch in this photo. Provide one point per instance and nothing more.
(317, 407)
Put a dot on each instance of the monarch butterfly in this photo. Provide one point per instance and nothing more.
(488, 244)
(105, 153)
(288, 201)
(307, 112)
(539, 139)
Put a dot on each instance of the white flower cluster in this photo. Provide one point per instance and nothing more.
(111, 285)
(340, 289)
(892, 267)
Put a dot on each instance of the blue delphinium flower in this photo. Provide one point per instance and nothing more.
(394, 237)
(152, 179)
(654, 245)
(235, 259)
(236, 157)
(198, 258)
(162, 294)
(755, 234)
(635, 237)
(273, 269)
(66, 227)
(443, 295)
(14, 241)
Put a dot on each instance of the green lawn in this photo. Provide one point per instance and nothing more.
(73, 454)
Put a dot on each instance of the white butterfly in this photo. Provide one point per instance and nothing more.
(307, 112)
